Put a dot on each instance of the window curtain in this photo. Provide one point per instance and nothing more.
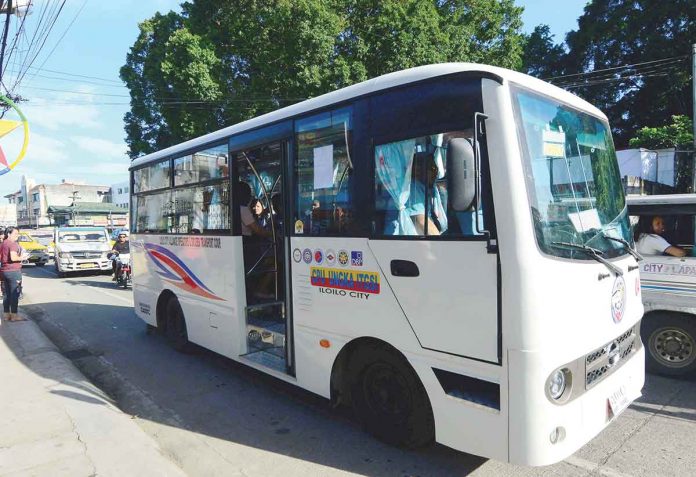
(393, 166)
(438, 202)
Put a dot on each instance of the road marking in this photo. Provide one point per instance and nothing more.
(594, 467)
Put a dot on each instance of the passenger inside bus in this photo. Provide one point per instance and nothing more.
(649, 240)
(249, 224)
(411, 195)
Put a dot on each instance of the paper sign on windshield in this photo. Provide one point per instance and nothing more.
(585, 220)
(554, 143)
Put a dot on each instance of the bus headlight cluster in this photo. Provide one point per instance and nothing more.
(557, 383)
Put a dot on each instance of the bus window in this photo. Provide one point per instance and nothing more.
(411, 189)
(324, 174)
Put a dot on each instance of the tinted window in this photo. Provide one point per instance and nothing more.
(324, 174)
(155, 176)
(411, 196)
(200, 209)
(201, 166)
(152, 212)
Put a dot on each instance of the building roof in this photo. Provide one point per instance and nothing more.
(87, 208)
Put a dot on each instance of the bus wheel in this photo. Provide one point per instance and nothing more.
(389, 399)
(149, 329)
(175, 331)
(670, 340)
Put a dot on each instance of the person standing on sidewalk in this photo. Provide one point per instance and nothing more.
(11, 257)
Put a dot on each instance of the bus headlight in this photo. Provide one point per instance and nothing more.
(557, 383)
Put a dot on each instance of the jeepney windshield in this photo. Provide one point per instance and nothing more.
(572, 176)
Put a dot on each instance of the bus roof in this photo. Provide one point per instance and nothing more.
(371, 86)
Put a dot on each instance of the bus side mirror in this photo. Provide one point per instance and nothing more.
(461, 186)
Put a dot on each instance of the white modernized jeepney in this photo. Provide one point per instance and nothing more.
(669, 286)
(81, 249)
(445, 249)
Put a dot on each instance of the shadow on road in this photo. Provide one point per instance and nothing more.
(207, 394)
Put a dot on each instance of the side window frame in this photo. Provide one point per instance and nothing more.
(420, 110)
(357, 148)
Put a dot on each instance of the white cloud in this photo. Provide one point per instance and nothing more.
(59, 110)
(101, 147)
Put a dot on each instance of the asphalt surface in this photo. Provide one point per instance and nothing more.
(212, 416)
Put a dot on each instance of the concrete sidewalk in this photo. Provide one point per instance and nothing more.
(53, 421)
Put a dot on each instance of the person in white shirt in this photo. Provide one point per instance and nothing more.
(649, 240)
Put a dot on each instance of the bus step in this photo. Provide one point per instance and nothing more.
(268, 360)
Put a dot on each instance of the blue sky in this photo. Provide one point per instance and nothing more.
(77, 123)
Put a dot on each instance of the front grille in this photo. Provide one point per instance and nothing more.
(603, 361)
(86, 254)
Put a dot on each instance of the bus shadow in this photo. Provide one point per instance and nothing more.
(671, 397)
(244, 410)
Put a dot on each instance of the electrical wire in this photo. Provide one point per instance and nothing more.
(615, 68)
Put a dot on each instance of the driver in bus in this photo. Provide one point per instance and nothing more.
(649, 240)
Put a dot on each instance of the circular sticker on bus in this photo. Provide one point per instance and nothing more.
(618, 299)
(318, 256)
(297, 255)
(307, 256)
(343, 257)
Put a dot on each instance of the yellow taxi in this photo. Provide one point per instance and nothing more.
(38, 254)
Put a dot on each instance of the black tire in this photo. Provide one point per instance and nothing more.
(175, 331)
(670, 343)
(149, 329)
(389, 399)
(40, 264)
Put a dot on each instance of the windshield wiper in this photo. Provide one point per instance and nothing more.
(592, 252)
(625, 243)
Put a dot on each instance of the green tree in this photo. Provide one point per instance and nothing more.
(616, 33)
(542, 57)
(219, 62)
(679, 135)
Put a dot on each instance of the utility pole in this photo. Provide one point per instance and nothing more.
(75, 195)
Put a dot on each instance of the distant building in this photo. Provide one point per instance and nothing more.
(8, 215)
(32, 200)
(120, 195)
(89, 213)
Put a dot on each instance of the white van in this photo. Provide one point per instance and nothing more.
(81, 248)
(669, 286)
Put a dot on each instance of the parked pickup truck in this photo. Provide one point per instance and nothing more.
(81, 248)
(38, 254)
(668, 286)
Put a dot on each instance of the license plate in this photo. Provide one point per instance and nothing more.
(618, 401)
(85, 265)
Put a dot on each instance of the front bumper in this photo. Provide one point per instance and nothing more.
(534, 418)
(35, 258)
(75, 265)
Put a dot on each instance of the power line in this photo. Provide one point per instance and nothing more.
(616, 68)
(63, 35)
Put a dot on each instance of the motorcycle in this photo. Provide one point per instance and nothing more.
(123, 276)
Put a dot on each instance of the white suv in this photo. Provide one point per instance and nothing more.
(668, 286)
(81, 248)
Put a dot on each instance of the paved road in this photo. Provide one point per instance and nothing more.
(215, 417)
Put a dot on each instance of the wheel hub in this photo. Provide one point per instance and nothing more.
(673, 347)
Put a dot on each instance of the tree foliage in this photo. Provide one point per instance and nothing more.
(541, 57)
(617, 33)
(679, 135)
(219, 62)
